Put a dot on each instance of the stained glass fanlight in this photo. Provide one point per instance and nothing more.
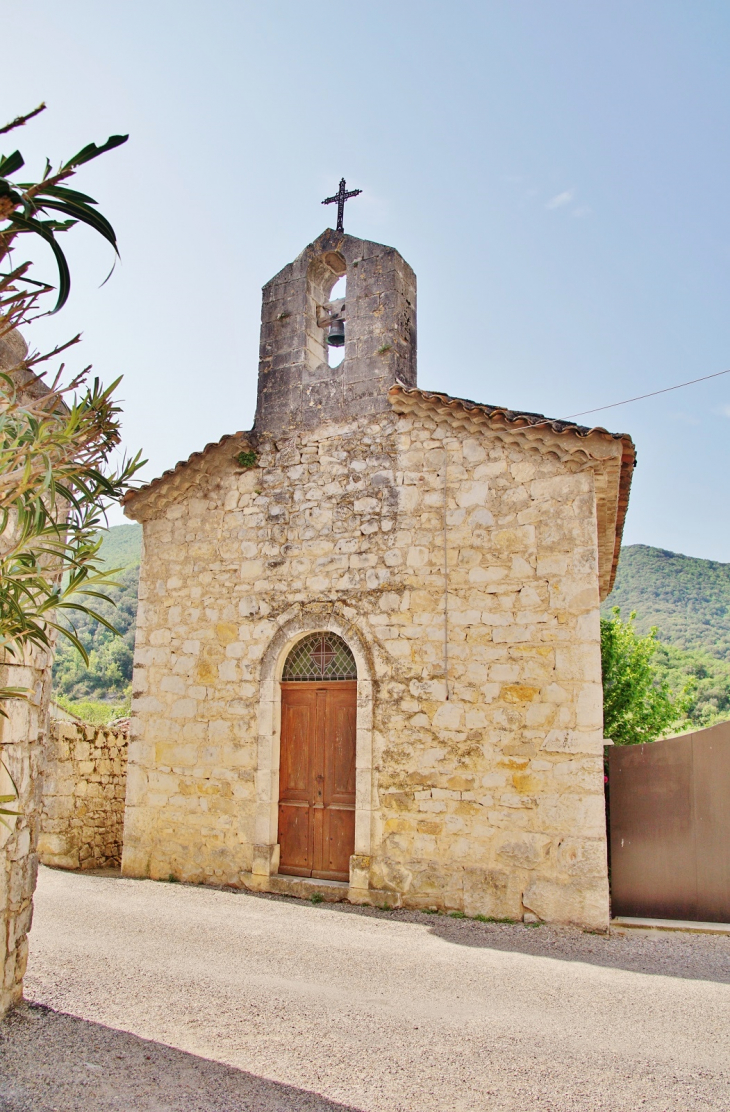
(320, 656)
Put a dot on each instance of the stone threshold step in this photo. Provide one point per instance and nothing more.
(627, 922)
(331, 891)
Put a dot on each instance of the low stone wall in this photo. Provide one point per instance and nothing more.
(84, 784)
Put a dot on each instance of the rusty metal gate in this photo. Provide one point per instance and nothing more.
(669, 806)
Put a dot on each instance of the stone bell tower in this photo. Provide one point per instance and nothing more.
(297, 386)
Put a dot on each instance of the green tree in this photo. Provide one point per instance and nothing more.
(701, 679)
(109, 671)
(58, 441)
(638, 706)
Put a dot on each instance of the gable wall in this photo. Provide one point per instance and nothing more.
(489, 802)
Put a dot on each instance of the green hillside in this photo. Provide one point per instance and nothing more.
(121, 546)
(687, 599)
(110, 658)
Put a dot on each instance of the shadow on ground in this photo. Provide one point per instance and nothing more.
(691, 957)
(687, 956)
(53, 1062)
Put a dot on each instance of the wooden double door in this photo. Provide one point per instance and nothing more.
(317, 779)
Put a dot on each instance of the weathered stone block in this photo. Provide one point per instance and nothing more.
(584, 905)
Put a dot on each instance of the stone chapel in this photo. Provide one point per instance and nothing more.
(368, 651)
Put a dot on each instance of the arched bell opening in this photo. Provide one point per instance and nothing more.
(339, 290)
(317, 765)
(336, 330)
(326, 309)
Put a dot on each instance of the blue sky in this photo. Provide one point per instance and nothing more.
(556, 173)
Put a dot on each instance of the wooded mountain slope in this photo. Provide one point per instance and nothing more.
(110, 658)
(687, 599)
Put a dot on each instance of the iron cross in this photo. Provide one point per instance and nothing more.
(341, 196)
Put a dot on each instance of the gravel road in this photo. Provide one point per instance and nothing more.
(150, 996)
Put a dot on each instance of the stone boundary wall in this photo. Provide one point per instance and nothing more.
(85, 779)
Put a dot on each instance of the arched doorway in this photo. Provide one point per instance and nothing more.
(317, 762)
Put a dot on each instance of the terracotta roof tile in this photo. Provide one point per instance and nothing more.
(182, 464)
(517, 418)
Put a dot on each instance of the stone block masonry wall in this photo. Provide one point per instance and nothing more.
(22, 742)
(297, 388)
(84, 784)
(489, 800)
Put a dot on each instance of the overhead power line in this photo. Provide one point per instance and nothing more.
(653, 394)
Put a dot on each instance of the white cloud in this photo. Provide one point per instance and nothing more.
(725, 410)
(561, 199)
(583, 210)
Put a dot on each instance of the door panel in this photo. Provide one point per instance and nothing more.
(317, 779)
(296, 756)
(295, 838)
(338, 832)
(341, 767)
(295, 776)
(338, 842)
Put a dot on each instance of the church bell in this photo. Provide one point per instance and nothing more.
(336, 334)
